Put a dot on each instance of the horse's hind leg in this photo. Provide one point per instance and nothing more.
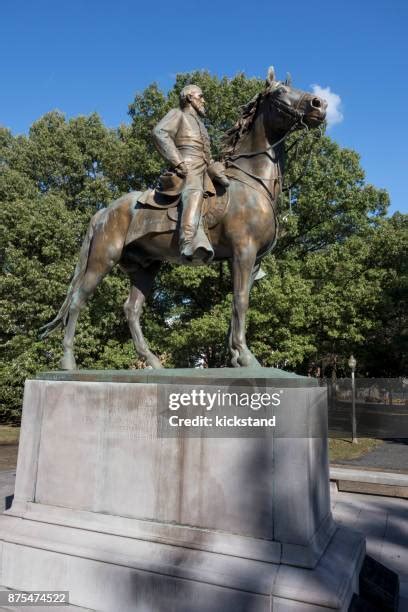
(104, 252)
(92, 277)
(142, 282)
(101, 250)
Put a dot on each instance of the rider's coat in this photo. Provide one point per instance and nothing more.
(181, 136)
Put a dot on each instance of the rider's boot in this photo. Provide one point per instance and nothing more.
(194, 244)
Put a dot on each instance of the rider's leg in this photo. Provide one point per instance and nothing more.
(194, 244)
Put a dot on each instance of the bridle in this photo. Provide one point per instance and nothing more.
(297, 121)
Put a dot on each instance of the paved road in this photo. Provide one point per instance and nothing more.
(391, 455)
(8, 456)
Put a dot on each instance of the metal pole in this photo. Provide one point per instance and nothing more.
(353, 399)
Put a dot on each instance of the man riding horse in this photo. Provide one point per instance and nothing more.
(182, 139)
(244, 232)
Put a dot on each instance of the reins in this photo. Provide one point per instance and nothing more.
(267, 150)
(298, 120)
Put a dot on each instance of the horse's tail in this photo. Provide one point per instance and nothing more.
(61, 319)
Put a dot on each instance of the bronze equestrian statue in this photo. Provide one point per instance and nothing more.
(139, 231)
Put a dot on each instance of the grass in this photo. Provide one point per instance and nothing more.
(9, 435)
(341, 448)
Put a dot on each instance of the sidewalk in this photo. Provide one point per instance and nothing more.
(384, 521)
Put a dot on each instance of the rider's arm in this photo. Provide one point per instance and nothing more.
(164, 135)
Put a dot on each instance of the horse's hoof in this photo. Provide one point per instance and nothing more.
(154, 363)
(68, 362)
(249, 363)
(247, 360)
(234, 357)
(244, 362)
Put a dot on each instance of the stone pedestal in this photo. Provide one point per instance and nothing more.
(127, 520)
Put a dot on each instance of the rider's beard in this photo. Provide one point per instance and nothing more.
(199, 107)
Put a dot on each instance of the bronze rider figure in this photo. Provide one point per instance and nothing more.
(182, 139)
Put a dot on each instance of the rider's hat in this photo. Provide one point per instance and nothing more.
(170, 184)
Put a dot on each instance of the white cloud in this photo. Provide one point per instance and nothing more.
(334, 114)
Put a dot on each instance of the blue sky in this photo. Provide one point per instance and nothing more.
(83, 56)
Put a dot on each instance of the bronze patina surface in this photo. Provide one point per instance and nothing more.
(245, 233)
(272, 377)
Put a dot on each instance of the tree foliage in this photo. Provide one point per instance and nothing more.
(336, 282)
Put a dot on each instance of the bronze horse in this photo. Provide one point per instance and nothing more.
(243, 235)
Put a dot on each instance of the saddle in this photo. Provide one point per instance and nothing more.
(158, 210)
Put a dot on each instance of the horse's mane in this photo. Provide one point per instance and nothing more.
(241, 127)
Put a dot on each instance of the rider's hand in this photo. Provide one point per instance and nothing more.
(181, 170)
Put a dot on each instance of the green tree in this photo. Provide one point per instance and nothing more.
(384, 350)
(50, 183)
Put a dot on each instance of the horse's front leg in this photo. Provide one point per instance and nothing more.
(243, 262)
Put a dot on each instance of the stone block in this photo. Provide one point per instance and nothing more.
(126, 519)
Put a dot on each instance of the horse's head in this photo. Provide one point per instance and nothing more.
(279, 109)
(291, 108)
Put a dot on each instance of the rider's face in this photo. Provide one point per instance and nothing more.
(197, 102)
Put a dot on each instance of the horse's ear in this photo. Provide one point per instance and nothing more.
(270, 77)
(288, 81)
